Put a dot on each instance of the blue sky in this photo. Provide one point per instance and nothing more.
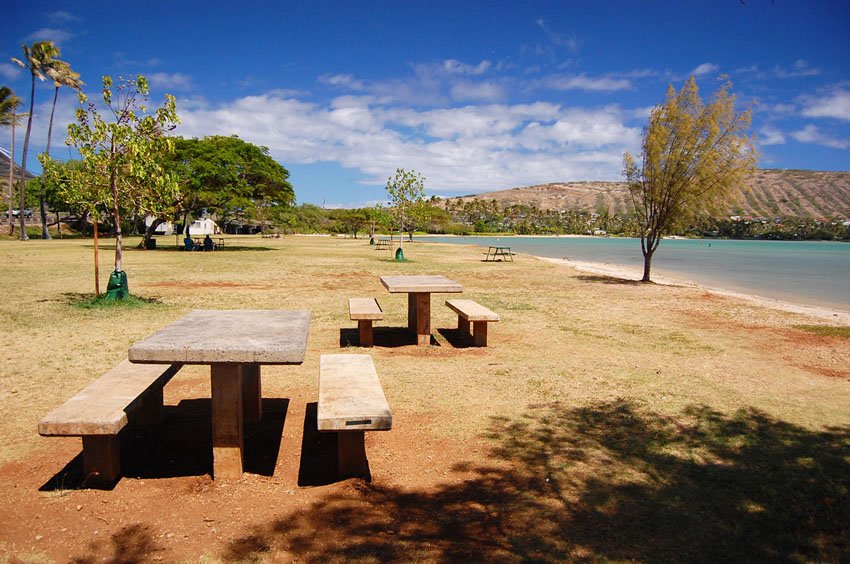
(476, 96)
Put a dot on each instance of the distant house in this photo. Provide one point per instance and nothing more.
(164, 228)
(204, 226)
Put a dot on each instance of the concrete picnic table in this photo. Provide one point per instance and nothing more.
(419, 289)
(234, 343)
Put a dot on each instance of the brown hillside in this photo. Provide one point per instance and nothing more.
(773, 193)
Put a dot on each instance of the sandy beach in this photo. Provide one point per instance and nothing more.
(619, 271)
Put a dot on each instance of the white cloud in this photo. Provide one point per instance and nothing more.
(705, 68)
(452, 66)
(834, 105)
(63, 17)
(584, 82)
(477, 91)
(10, 71)
(811, 134)
(770, 135)
(799, 69)
(464, 149)
(58, 36)
(175, 81)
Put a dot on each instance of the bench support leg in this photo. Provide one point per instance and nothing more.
(102, 458)
(149, 411)
(365, 327)
(462, 325)
(227, 439)
(479, 338)
(252, 396)
(352, 454)
(411, 312)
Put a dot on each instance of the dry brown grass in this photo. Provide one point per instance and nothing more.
(563, 337)
(626, 421)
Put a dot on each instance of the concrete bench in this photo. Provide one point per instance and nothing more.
(365, 311)
(127, 394)
(470, 311)
(351, 401)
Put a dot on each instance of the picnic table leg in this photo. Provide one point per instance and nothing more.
(252, 396)
(423, 318)
(411, 312)
(227, 439)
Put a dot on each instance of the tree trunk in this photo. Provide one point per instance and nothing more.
(12, 174)
(96, 259)
(45, 232)
(24, 163)
(647, 266)
(149, 231)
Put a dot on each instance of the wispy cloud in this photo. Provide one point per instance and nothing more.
(584, 82)
(9, 71)
(770, 135)
(811, 134)
(835, 104)
(62, 17)
(120, 59)
(58, 36)
(174, 81)
(704, 69)
(571, 42)
(800, 68)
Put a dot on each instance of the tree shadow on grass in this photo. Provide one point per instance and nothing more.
(613, 280)
(608, 481)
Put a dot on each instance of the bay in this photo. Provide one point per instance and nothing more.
(805, 272)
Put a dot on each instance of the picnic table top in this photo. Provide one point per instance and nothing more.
(228, 336)
(420, 284)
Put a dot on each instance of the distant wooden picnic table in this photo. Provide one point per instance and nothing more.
(499, 253)
(419, 289)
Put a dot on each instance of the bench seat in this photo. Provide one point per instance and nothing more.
(470, 311)
(127, 394)
(351, 401)
(365, 311)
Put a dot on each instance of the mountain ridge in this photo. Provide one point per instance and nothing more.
(772, 193)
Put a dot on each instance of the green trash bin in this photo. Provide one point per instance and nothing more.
(399, 255)
(117, 287)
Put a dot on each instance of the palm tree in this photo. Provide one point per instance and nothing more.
(62, 75)
(37, 58)
(9, 117)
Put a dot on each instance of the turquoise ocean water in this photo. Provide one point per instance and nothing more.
(814, 273)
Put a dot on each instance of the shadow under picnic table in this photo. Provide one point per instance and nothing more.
(182, 445)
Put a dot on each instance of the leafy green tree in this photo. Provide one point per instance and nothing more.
(122, 158)
(9, 117)
(406, 190)
(227, 176)
(61, 74)
(693, 156)
(37, 59)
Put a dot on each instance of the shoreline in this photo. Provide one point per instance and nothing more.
(624, 272)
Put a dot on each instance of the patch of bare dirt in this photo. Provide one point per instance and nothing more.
(166, 507)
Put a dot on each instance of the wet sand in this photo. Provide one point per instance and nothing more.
(837, 316)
